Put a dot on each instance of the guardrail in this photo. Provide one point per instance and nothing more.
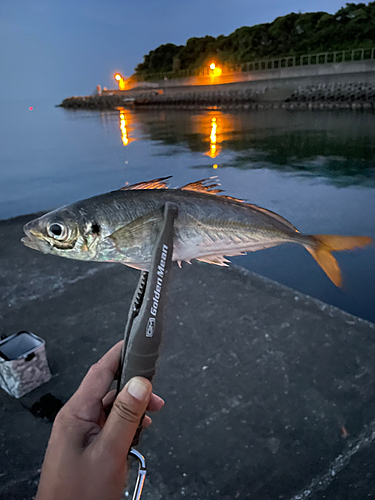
(337, 56)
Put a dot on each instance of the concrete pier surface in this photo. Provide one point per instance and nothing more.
(269, 393)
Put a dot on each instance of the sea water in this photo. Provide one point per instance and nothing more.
(316, 169)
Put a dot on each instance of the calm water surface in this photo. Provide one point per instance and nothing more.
(316, 169)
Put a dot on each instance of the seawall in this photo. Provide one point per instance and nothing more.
(363, 71)
(347, 85)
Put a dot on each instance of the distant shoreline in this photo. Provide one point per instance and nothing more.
(319, 96)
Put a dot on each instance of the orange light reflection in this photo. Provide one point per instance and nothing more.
(215, 127)
(125, 118)
(213, 139)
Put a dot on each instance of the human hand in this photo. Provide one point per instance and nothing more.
(87, 452)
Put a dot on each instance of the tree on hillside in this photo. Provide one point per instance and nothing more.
(353, 26)
(160, 59)
(196, 51)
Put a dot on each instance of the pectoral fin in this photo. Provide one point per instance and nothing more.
(138, 235)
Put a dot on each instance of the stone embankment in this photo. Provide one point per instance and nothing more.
(100, 102)
(319, 96)
(203, 99)
(333, 95)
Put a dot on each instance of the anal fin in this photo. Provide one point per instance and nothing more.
(218, 260)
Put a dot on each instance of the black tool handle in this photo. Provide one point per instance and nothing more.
(144, 331)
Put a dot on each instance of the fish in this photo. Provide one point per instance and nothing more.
(123, 226)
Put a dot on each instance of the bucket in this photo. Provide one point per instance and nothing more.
(23, 363)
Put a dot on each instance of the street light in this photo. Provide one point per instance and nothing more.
(121, 81)
(215, 70)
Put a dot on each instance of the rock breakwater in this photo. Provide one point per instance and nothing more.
(100, 102)
(202, 99)
(357, 95)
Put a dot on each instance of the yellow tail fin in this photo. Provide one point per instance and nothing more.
(327, 243)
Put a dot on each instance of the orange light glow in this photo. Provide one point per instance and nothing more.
(215, 166)
(215, 70)
(121, 81)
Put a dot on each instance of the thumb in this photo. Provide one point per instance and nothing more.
(127, 411)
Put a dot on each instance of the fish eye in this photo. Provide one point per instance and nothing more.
(57, 231)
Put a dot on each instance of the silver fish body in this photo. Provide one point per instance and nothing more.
(122, 226)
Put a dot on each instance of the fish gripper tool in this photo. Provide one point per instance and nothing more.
(144, 327)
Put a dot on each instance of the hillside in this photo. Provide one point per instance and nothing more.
(350, 27)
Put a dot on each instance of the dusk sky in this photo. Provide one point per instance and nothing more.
(55, 49)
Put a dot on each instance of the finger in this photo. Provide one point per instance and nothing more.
(108, 401)
(156, 403)
(147, 421)
(127, 410)
(86, 403)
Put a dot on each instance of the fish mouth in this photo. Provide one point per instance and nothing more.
(35, 241)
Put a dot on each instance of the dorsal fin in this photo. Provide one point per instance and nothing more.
(203, 186)
(154, 184)
(208, 186)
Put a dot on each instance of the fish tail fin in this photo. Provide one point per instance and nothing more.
(325, 244)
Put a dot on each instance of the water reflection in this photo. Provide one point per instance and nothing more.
(124, 123)
(339, 146)
(124, 134)
(213, 140)
(213, 127)
(268, 150)
(209, 127)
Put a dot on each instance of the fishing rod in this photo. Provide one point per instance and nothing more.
(144, 327)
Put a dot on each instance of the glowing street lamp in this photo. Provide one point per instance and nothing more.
(215, 70)
(121, 81)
